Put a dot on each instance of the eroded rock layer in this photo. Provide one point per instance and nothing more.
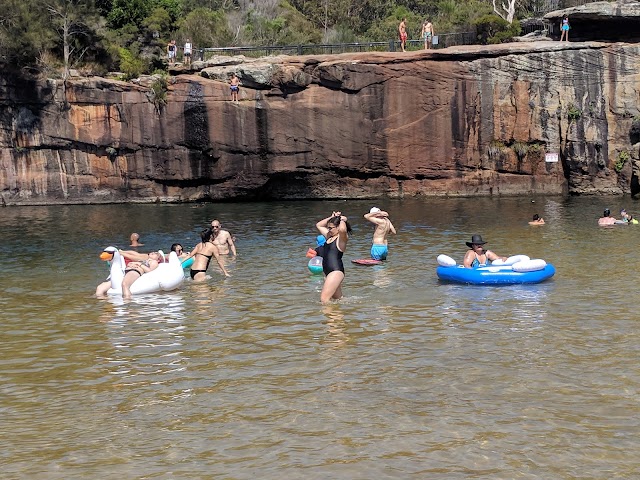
(471, 120)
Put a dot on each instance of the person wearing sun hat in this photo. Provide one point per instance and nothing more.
(380, 247)
(477, 256)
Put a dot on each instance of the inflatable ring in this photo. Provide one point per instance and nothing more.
(524, 270)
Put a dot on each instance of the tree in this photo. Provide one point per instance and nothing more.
(72, 19)
(24, 32)
(509, 10)
(206, 28)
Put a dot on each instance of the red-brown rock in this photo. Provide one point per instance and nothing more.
(472, 120)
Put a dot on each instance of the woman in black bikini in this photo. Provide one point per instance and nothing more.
(336, 229)
(203, 253)
(135, 270)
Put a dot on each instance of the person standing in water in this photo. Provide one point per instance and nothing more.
(380, 247)
(222, 239)
(336, 230)
(203, 252)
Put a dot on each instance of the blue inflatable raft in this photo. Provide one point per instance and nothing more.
(517, 270)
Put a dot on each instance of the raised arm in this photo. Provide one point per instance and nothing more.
(376, 217)
(133, 255)
(322, 224)
(343, 234)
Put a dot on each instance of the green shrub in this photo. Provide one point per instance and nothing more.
(158, 93)
(573, 112)
(131, 65)
(492, 29)
(520, 148)
(496, 147)
(623, 158)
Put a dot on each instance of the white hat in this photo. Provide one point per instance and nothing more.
(374, 210)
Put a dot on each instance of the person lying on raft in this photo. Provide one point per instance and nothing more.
(152, 261)
(135, 270)
(203, 252)
(477, 256)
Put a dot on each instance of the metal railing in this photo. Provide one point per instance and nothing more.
(443, 41)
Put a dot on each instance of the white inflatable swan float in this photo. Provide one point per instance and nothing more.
(168, 276)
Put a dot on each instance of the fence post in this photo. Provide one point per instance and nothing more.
(392, 45)
(299, 49)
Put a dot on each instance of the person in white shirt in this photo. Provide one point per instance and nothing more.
(188, 48)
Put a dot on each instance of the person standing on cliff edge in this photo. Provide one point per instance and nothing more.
(188, 47)
(171, 51)
(402, 30)
(234, 84)
(564, 27)
(427, 34)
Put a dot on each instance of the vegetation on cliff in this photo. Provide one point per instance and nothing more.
(131, 35)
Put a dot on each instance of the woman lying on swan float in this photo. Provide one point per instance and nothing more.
(141, 277)
(502, 271)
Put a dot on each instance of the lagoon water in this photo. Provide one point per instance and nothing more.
(251, 377)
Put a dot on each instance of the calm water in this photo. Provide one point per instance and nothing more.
(250, 377)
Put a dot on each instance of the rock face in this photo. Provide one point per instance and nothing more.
(472, 120)
(610, 21)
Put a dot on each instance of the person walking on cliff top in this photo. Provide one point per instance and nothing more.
(564, 27)
(402, 30)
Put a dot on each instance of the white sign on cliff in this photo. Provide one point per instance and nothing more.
(551, 158)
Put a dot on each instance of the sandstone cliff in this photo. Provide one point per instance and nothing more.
(471, 120)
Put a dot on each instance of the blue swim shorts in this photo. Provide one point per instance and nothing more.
(379, 252)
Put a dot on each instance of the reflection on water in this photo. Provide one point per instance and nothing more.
(250, 376)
